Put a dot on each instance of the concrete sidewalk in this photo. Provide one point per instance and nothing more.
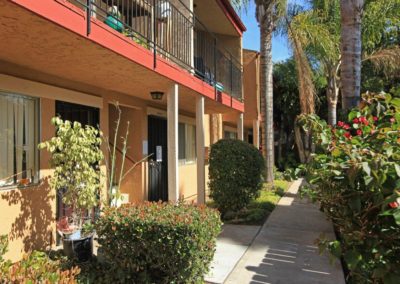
(284, 250)
(232, 243)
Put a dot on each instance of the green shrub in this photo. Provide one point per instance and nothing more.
(159, 242)
(35, 267)
(235, 173)
(355, 176)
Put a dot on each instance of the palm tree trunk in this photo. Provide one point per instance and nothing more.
(266, 87)
(332, 94)
(351, 12)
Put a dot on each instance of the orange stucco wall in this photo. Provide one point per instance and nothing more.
(134, 183)
(28, 214)
(251, 72)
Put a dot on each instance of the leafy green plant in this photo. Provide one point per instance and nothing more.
(75, 157)
(35, 267)
(355, 175)
(235, 174)
(159, 242)
(136, 37)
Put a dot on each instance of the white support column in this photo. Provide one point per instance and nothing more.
(200, 152)
(256, 133)
(172, 122)
(240, 127)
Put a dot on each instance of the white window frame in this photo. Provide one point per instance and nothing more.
(21, 176)
(186, 161)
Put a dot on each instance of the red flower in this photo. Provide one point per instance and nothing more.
(392, 120)
(359, 132)
(346, 126)
(356, 120)
(340, 123)
(364, 120)
(394, 204)
(375, 118)
(347, 135)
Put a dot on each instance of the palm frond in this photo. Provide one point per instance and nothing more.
(307, 92)
(386, 60)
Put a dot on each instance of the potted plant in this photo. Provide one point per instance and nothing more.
(76, 156)
(113, 19)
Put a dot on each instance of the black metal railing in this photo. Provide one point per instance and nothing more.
(172, 32)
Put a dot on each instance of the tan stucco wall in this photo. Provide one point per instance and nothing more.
(233, 44)
(187, 182)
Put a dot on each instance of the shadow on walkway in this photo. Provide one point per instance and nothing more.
(284, 251)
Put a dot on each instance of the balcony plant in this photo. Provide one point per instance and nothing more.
(136, 37)
(75, 157)
(113, 19)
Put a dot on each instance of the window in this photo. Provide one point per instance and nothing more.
(19, 129)
(230, 135)
(187, 142)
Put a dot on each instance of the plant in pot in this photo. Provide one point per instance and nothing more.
(75, 157)
(113, 19)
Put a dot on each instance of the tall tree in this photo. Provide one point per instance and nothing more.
(318, 31)
(265, 18)
(267, 14)
(350, 44)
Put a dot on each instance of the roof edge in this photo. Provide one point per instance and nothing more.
(234, 17)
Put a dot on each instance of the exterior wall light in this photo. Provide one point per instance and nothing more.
(157, 95)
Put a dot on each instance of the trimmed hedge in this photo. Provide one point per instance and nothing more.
(159, 242)
(235, 174)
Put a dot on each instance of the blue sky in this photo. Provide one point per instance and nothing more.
(251, 38)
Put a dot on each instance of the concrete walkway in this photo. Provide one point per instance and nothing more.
(284, 249)
(232, 243)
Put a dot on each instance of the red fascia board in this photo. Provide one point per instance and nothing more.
(70, 17)
(238, 105)
(233, 17)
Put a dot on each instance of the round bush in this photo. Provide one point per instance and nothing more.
(159, 242)
(235, 174)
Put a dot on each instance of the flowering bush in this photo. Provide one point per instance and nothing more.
(35, 267)
(159, 242)
(355, 176)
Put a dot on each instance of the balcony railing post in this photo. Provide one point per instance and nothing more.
(231, 74)
(154, 39)
(215, 67)
(88, 16)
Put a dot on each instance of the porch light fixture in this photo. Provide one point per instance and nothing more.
(157, 95)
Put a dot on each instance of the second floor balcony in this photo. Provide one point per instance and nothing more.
(171, 30)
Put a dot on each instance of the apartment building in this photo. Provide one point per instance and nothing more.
(171, 65)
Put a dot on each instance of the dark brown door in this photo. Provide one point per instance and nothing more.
(158, 165)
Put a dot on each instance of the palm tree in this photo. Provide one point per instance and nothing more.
(351, 13)
(318, 31)
(267, 14)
